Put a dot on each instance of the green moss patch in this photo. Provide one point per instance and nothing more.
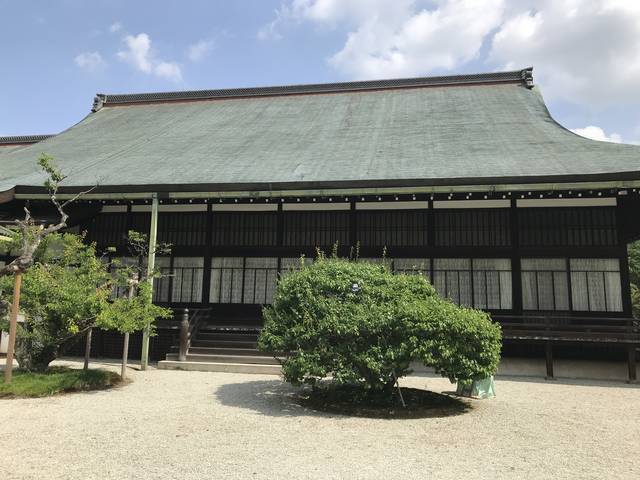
(55, 381)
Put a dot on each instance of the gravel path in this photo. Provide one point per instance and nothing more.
(192, 425)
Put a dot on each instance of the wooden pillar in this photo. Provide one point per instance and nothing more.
(516, 270)
(548, 351)
(353, 228)
(151, 264)
(625, 281)
(631, 358)
(184, 336)
(431, 238)
(206, 273)
(280, 225)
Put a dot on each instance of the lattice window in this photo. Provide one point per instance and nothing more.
(250, 280)
(244, 229)
(292, 264)
(545, 284)
(412, 266)
(481, 283)
(182, 229)
(316, 228)
(108, 229)
(581, 227)
(260, 276)
(471, 228)
(395, 228)
(186, 281)
(596, 285)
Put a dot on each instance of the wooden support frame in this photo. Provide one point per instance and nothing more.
(632, 352)
(151, 265)
(548, 355)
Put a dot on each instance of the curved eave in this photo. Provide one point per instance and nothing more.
(616, 181)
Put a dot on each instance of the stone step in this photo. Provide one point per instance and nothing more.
(251, 359)
(224, 343)
(220, 367)
(230, 328)
(225, 351)
(251, 337)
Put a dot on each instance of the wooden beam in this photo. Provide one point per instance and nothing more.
(151, 265)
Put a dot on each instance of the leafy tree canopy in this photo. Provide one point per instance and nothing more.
(360, 324)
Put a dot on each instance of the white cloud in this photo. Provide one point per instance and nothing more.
(597, 133)
(199, 50)
(584, 51)
(115, 27)
(89, 61)
(400, 38)
(168, 70)
(270, 31)
(138, 52)
(140, 56)
(424, 41)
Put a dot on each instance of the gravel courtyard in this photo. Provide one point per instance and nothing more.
(192, 425)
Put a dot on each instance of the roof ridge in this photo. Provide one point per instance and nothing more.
(20, 139)
(524, 76)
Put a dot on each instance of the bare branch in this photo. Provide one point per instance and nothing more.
(32, 235)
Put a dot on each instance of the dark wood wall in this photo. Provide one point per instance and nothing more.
(427, 233)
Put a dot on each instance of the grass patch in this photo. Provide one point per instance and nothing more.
(57, 380)
(353, 401)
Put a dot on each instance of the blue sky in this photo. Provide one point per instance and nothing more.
(57, 54)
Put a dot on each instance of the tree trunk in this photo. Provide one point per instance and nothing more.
(125, 347)
(35, 356)
(87, 349)
(13, 326)
(125, 356)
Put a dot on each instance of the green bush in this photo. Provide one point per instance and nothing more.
(360, 324)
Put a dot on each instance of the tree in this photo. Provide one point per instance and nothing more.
(131, 314)
(64, 292)
(634, 276)
(26, 238)
(135, 311)
(361, 325)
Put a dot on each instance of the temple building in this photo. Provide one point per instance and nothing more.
(465, 179)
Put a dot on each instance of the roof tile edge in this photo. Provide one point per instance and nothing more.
(524, 76)
(22, 139)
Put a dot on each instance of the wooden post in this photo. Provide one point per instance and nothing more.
(184, 336)
(87, 348)
(13, 326)
(549, 360)
(151, 264)
(125, 356)
(125, 346)
(631, 356)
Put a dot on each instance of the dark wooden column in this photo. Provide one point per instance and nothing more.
(623, 255)
(353, 227)
(516, 271)
(431, 237)
(208, 240)
(280, 233)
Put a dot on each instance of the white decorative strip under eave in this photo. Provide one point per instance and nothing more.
(567, 202)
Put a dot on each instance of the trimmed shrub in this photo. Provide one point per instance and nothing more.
(361, 325)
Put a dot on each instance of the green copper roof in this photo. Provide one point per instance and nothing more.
(482, 129)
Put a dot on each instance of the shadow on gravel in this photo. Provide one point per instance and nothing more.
(277, 399)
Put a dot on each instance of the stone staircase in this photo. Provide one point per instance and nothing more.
(223, 348)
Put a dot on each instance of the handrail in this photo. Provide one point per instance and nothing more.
(550, 329)
(188, 327)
